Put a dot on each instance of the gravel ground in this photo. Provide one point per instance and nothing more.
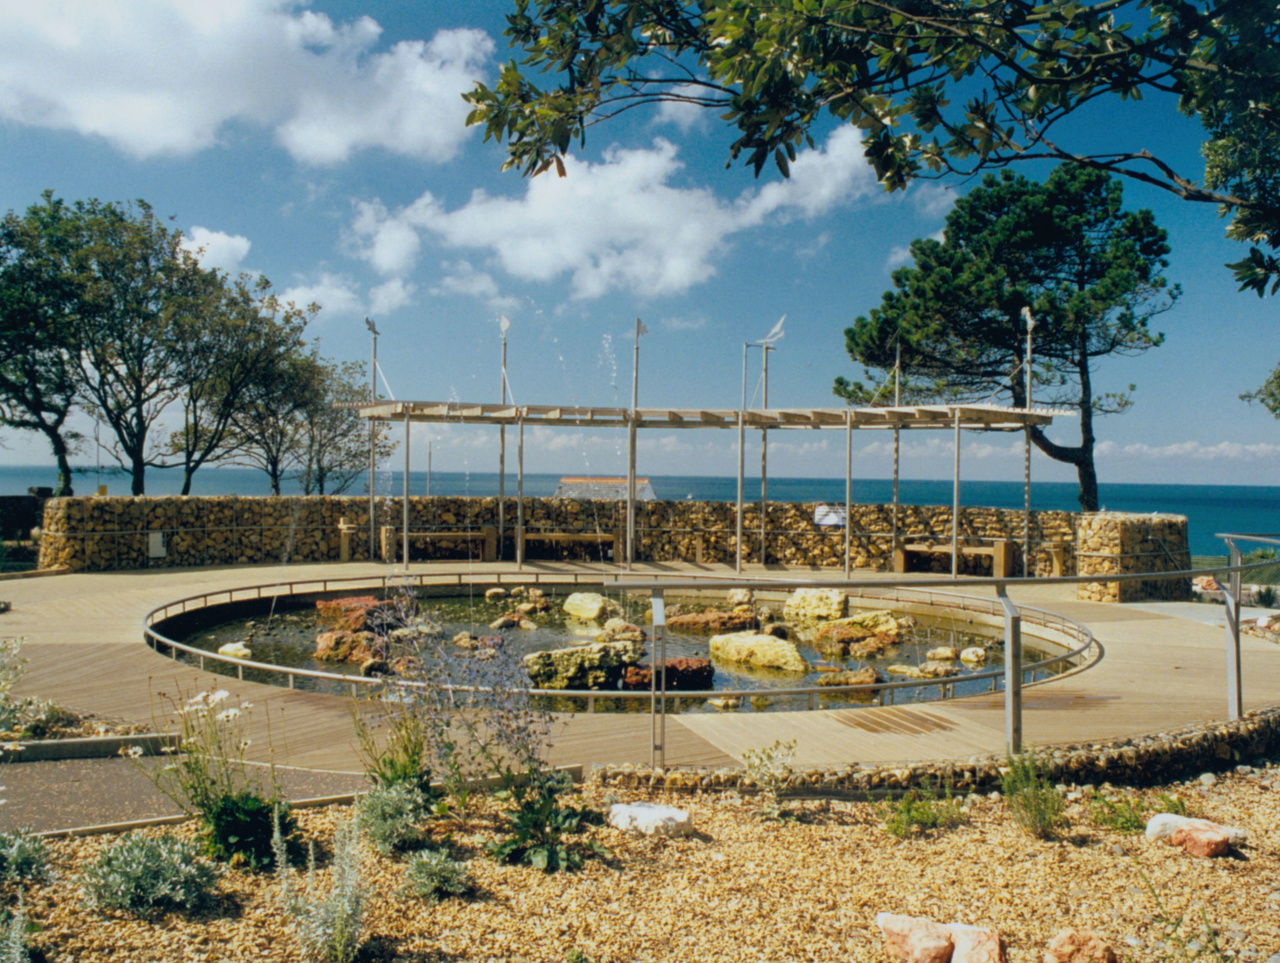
(743, 890)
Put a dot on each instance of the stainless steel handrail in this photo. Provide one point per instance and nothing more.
(307, 586)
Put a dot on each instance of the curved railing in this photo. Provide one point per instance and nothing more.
(908, 591)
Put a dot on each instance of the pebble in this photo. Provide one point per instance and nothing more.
(1274, 958)
(1244, 770)
(1134, 941)
(995, 796)
(1208, 780)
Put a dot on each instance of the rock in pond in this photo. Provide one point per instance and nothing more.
(344, 647)
(596, 666)
(494, 594)
(620, 630)
(762, 651)
(650, 819)
(713, 622)
(682, 675)
(929, 670)
(590, 606)
(867, 676)
(236, 650)
(815, 605)
(836, 637)
(944, 653)
(349, 614)
(974, 655)
(740, 596)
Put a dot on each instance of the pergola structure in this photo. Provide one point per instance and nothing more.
(972, 417)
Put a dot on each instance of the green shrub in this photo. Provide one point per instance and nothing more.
(237, 828)
(1167, 803)
(1035, 803)
(538, 825)
(576, 955)
(767, 769)
(23, 858)
(1265, 597)
(432, 874)
(392, 818)
(328, 924)
(400, 755)
(144, 875)
(920, 810)
(1118, 815)
(13, 935)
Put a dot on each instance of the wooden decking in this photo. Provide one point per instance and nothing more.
(85, 650)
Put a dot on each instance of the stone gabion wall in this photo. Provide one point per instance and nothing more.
(1145, 760)
(97, 534)
(1113, 543)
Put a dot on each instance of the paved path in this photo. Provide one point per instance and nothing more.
(85, 651)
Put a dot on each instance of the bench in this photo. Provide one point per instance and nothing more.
(573, 538)
(486, 535)
(1000, 551)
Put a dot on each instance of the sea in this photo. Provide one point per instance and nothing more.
(1210, 509)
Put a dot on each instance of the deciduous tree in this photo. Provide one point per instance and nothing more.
(936, 85)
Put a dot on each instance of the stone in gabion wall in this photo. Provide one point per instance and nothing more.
(1116, 543)
(114, 533)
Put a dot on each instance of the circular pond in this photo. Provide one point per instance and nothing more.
(283, 632)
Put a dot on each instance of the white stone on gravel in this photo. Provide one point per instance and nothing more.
(1163, 825)
(650, 819)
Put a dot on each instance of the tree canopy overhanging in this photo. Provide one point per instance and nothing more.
(1090, 275)
(937, 86)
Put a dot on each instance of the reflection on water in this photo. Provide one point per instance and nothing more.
(287, 637)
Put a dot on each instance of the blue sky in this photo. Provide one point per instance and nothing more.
(323, 145)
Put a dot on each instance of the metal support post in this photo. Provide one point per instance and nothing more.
(742, 439)
(405, 513)
(520, 491)
(658, 694)
(1235, 697)
(848, 484)
(955, 506)
(1012, 672)
(503, 325)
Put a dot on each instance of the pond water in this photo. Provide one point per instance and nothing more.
(285, 636)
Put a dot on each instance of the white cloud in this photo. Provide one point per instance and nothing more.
(683, 324)
(335, 294)
(683, 115)
(216, 249)
(819, 242)
(461, 278)
(169, 76)
(618, 224)
(390, 296)
(1223, 451)
(900, 254)
(932, 200)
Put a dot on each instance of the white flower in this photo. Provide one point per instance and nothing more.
(198, 700)
(244, 744)
(227, 715)
(220, 696)
(131, 752)
(12, 747)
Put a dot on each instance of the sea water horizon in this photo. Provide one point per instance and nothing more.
(1209, 508)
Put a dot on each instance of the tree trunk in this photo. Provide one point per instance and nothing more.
(138, 468)
(62, 456)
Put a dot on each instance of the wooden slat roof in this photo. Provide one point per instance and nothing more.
(982, 417)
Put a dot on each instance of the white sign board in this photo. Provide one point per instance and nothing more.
(828, 515)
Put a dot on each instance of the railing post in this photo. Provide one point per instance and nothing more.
(658, 700)
(1235, 697)
(1012, 672)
